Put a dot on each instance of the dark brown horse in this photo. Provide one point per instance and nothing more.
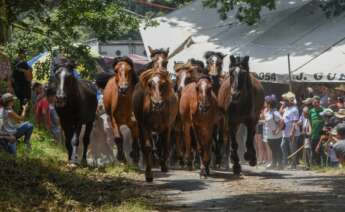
(117, 98)
(76, 105)
(241, 97)
(155, 109)
(199, 114)
(214, 69)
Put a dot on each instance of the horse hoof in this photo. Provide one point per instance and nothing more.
(83, 163)
(203, 174)
(121, 157)
(237, 169)
(252, 163)
(181, 163)
(164, 169)
(247, 156)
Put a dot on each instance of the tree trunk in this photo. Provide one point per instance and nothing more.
(4, 26)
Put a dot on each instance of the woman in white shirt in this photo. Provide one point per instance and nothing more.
(272, 132)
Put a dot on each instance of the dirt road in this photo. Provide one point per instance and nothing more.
(256, 190)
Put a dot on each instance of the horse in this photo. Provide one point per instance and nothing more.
(241, 98)
(199, 114)
(155, 108)
(159, 59)
(76, 105)
(186, 73)
(117, 98)
(214, 61)
(198, 65)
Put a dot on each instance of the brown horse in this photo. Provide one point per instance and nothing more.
(186, 73)
(117, 97)
(155, 109)
(199, 113)
(241, 97)
(159, 59)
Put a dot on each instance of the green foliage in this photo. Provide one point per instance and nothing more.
(333, 7)
(247, 11)
(40, 25)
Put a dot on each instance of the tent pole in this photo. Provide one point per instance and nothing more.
(289, 67)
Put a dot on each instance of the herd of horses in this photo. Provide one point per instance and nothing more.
(189, 118)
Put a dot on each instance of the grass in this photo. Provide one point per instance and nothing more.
(41, 181)
(330, 170)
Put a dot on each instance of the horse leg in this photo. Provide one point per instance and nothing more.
(226, 144)
(146, 146)
(118, 141)
(68, 131)
(250, 155)
(75, 142)
(234, 156)
(135, 155)
(204, 149)
(165, 144)
(86, 141)
(188, 145)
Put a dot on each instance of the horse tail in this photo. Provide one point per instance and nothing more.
(103, 78)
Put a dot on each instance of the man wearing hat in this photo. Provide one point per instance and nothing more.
(290, 129)
(22, 77)
(317, 123)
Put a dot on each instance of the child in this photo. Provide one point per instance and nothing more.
(54, 121)
(306, 129)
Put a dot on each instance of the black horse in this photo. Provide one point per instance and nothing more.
(76, 106)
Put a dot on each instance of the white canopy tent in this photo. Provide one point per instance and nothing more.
(297, 27)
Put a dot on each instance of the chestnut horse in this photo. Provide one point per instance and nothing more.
(117, 98)
(155, 109)
(241, 97)
(186, 73)
(199, 114)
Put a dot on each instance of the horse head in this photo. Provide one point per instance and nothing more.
(159, 57)
(64, 81)
(204, 93)
(198, 65)
(239, 75)
(185, 74)
(158, 86)
(124, 74)
(214, 62)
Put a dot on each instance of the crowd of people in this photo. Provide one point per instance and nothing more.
(31, 96)
(310, 132)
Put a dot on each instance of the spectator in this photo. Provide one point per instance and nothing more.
(261, 146)
(38, 93)
(7, 141)
(22, 76)
(316, 122)
(339, 146)
(290, 129)
(12, 122)
(308, 102)
(272, 132)
(54, 125)
(42, 113)
(5, 71)
(306, 132)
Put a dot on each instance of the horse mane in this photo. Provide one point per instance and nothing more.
(197, 63)
(147, 75)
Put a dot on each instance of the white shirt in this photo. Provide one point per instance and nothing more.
(290, 116)
(271, 124)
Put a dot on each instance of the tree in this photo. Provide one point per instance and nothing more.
(43, 24)
(248, 11)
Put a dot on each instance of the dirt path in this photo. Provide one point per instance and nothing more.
(256, 190)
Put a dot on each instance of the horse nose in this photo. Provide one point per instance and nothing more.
(204, 108)
(123, 89)
(157, 104)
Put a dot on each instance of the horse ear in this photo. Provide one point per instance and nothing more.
(150, 50)
(168, 49)
(232, 60)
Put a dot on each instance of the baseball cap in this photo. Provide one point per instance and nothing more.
(5, 98)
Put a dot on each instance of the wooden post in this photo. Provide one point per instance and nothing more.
(290, 77)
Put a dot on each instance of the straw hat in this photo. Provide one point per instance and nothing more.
(289, 96)
(340, 114)
(340, 87)
(7, 97)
